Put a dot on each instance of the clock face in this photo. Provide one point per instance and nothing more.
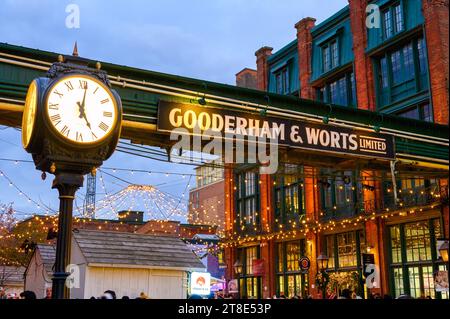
(29, 114)
(81, 109)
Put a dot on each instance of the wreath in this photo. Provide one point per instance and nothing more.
(322, 280)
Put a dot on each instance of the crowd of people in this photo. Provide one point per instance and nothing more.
(111, 294)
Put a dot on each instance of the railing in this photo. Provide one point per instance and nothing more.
(406, 198)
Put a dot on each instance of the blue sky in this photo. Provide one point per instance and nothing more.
(210, 40)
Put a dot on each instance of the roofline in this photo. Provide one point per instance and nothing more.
(328, 22)
(245, 69)
(290, 103)
(281, 52)
(109, 265)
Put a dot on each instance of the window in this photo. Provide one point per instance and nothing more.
(289, 195)
(282, 81)
(344, 250)
(249, 285)
(408, 62)
(290, 280)
(414, 258)
(330, 55)
(353, 88)
(247, 199)
(421, 49)
(384, 80)
(341, 91)
(339, 195)
(392, 20)
(334, 54)
(402, 72)
(326, 59)
(387, 19)
(396, 67)
(346, 247)
(422, 112)
(398, 18)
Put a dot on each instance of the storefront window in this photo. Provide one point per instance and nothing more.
(414, 258)
(344, 249)
(417, 238)
(396, 244)
(290, 280)
(347, 250)
(249, 284)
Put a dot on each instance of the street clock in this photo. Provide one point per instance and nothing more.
(72, 118)
(71, 124)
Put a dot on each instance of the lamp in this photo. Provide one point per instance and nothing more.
(443, 251)
(202, 100)
(322, 261)
(238, 267)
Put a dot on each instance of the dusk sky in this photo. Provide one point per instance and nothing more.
(210, 40)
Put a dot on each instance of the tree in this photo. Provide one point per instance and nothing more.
(18, 238)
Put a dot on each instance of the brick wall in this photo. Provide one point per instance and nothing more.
(304, 46)
(436, 31)
(247, 78)
(262, 74)
(365, 87)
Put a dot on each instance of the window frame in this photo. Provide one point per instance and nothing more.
(282, 81)
(282, 213)
(242, 197)
(393, 24)
(285, 273)
(404, 264)
(324, 92)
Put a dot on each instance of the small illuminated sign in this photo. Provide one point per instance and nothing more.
(200, 283)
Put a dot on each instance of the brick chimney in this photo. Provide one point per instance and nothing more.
(436, 32)
(304, 47)
(247, 78)
(262, 79)
(365, 87)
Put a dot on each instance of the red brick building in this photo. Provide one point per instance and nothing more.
(344, 211)
(206, 200)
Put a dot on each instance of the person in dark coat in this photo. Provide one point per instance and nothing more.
(27, 294)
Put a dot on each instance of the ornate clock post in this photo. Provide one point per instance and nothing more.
(71, 124)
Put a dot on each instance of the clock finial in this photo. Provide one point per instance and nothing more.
(75, 49)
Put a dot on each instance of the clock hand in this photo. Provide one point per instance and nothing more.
(83, 115)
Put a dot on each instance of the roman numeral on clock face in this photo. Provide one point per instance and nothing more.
(69, 85)
(55, 118)
(103, 126)
(79, 137)
(65, 130)
(104, 101)
(59, 94)
(107, 114)
(83, 85)
(53, 106)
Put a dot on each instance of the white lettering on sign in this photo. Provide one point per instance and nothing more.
(283, 131)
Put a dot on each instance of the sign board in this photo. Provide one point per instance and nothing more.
(289, 132)
(305, 264)
(441, 281)
(258, 267)
(233, 286)
(368, 260)
(200, 283)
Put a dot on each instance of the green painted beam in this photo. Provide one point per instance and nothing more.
(141, 106)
